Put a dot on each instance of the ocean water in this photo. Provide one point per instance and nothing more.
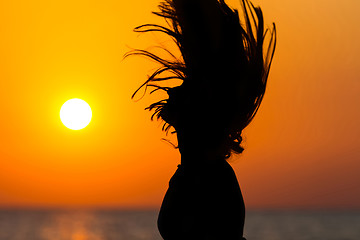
(302, 225)
(139, 225)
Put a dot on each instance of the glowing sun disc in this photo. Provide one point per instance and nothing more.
(75, 114)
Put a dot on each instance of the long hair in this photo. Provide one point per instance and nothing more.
(223, 60)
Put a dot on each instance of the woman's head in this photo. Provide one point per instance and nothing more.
(223, 70)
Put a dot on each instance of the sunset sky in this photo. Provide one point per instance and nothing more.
(301, 151)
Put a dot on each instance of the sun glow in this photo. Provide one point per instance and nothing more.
(75, 114)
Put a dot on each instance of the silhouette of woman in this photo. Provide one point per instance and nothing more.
(224, 72)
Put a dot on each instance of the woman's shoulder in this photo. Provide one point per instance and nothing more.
(222, 169)
(219, 172)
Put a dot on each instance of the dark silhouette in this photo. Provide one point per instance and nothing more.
(224, 71)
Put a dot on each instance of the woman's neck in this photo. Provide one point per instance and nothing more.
(199, 157)
(196, 151)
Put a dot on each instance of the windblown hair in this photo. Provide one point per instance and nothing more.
(222, 64)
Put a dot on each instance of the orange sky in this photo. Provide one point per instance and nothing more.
(302, 149)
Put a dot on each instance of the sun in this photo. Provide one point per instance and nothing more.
(75, 114)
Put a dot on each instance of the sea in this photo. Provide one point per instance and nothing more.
(141, 225)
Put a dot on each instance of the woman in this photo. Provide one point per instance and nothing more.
(224, 71)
